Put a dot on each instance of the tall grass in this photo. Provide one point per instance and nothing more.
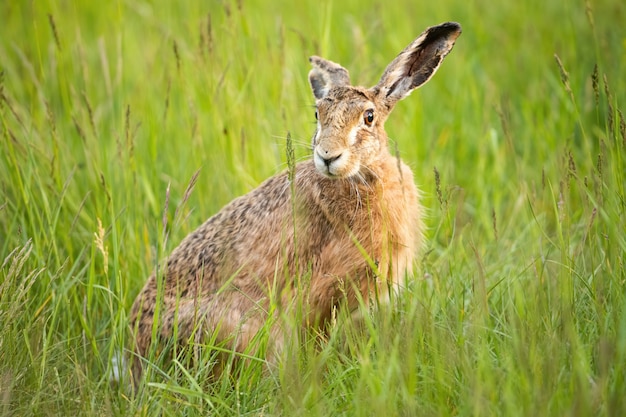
(110, 111)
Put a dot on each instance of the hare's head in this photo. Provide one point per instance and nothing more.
(350, 135)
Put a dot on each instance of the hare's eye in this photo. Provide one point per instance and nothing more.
(316, 117)
(368, 117)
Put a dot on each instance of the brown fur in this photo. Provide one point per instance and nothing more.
(353, 198)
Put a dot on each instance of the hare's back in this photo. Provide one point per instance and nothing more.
(240, 236)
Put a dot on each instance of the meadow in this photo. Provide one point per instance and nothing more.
(124, 125)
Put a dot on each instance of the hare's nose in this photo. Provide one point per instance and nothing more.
(328, 161)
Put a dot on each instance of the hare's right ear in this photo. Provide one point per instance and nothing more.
(417, 63)
(325, 75)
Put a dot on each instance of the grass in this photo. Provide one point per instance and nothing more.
(110, 112)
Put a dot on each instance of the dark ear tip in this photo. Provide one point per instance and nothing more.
(450, 28)
(452, 25)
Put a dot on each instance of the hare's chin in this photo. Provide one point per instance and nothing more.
(342, 174)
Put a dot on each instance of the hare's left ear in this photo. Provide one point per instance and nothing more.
(417, 63)
(326, 75)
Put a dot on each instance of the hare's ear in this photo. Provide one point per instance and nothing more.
(417, 63)
(325, 75)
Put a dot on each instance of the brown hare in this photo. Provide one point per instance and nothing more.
(348, 220)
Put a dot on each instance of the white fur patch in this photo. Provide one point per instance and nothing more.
(316, 134)
(352, 135)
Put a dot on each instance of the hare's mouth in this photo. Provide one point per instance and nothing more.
(337, 165)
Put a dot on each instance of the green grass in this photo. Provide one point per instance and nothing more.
(108, 111)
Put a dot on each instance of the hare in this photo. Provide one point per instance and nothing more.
(348, 220)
